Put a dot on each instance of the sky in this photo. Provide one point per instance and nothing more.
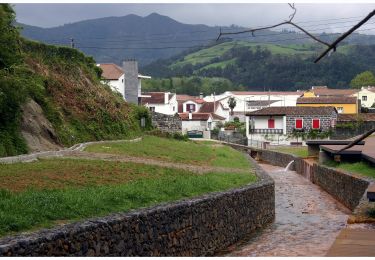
(332, 17)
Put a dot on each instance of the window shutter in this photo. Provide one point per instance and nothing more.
(315, 123)
(299, 123)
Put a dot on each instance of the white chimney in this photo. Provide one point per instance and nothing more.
(190, 116)
(166, 97)
(201, 95)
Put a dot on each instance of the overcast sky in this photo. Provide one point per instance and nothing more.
(248, 15)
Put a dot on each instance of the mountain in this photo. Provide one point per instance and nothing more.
(155, 36)
(259, 66)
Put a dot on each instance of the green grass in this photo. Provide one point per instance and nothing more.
(38, 205)
(298, 151)
(177, 151)
(361, 168)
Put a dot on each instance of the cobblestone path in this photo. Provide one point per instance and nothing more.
(307, 220)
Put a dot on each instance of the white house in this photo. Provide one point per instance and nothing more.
(199, 121)
(114, 76)
(160, 102)
(247, 101)
(276, 125)
(367, 96)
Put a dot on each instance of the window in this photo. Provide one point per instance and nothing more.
(271, 123)
(190, 107)
(152, 109)
(340, 109)
(173, 109)
(299, 123)
(364, 98)
(316, 123)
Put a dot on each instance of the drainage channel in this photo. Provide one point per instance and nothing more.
(307, 220)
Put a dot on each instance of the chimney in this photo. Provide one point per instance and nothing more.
(190, 115)
(131, 86)
(201, 95)
(166, 97)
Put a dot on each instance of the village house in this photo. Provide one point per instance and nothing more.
(322, 91)
(160, 102)
(199, 121)
(343, 104)
(276, 125)
(247, 101)
(187, 103)
(367, 96)
(128, 83)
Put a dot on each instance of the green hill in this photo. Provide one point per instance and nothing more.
(53, 95)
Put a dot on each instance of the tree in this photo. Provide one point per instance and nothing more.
(365, 78)
(232, 104)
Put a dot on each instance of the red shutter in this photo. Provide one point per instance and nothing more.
(299, 123)
(271, 123)
(316, 124)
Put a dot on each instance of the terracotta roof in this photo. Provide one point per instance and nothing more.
(333, 92)
(355, 117)
(285, 93)
(200, 116)
(282, 111)
(195, 116)
(111, 71)
(261, 103)
(327, 100)
(208, 107)
(156, 98)
(183, 97)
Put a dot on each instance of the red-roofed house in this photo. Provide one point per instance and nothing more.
(114, 76)
(160, 102)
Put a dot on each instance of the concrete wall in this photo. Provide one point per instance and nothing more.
(167, 123)
(192, 227)
(131, 81)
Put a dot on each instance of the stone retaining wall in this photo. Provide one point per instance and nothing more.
(344, 187)
(167, 123)
(192, 227)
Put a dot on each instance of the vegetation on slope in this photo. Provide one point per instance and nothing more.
(279, 67)
(65, 83)
(79, 190)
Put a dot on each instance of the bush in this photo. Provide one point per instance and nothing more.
(371, 212)
(177, 136)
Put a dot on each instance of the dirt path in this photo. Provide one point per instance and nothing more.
(125, 158)
(307, 220)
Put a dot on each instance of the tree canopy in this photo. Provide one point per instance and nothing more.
(363, 79)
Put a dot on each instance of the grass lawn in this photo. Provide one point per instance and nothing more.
(298, 151)
(362, 168)
(43, 193)
(171, 150)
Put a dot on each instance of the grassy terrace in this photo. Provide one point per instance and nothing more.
(361, 168)
(53, 191)
(195, 153)
(297, 151)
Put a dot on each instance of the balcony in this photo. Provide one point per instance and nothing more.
(266, 131)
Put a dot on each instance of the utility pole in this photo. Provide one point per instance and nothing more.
(72, 43)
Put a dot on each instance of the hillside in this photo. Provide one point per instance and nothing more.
(52, 97)
(271, 66)
(155, 36)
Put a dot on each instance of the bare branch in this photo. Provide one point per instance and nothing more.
(288, 22)
(343, 36)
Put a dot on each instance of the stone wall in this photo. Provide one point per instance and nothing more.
(325, 122)
(344, 187)
(192, 227)
(167, 123)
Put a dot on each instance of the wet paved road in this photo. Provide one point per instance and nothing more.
(307, 220)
